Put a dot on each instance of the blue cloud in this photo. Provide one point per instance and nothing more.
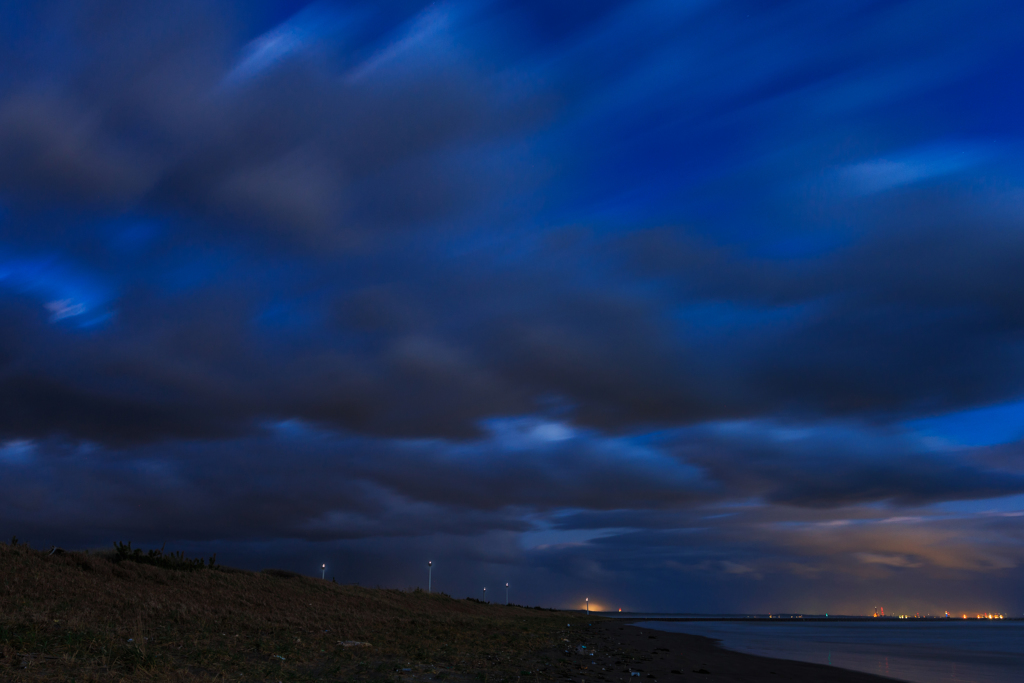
(63, 293)
(981, 426)
(878, 175)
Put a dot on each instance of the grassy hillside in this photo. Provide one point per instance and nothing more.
(75, 616)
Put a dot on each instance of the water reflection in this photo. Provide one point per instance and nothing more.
(922, 652)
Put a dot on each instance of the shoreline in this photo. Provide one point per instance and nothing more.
(621, 648)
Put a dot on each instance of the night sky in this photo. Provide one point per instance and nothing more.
(676, 305)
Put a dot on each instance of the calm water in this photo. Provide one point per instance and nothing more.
(920, 651)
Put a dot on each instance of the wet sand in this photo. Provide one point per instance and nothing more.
(621, 649)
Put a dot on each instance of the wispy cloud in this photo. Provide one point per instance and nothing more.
(915, 166)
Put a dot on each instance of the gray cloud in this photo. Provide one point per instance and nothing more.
(309, 143)
(838, 466)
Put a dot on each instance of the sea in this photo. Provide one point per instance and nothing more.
(923, 651)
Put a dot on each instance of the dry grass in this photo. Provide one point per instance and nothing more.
(82, 617)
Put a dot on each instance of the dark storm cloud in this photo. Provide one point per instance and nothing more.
(920, 316)
(612, 290)
(837, 466)
(286, 133)
(762, 569)
(392, 360)
(344, 122)
(524, 475)
(350, 486)
(242, 490)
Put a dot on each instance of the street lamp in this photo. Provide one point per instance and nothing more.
(588, 605)
(323, 570)
(485, 595)
(430, 574)
(506, 593)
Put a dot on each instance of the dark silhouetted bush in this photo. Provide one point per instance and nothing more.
(281, 573)
(157, 558)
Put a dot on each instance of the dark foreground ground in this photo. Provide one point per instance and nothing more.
(87, 617)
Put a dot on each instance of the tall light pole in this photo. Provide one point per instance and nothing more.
(485, 595)
(588, 605)
(430, 573)
(323, 570)
(506, 593)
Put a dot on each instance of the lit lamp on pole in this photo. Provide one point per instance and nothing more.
(323, 570)
(588, 605)
(485, 595)
(430, 574)
(506, 592)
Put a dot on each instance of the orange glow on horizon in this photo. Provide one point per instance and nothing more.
(878, 612)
